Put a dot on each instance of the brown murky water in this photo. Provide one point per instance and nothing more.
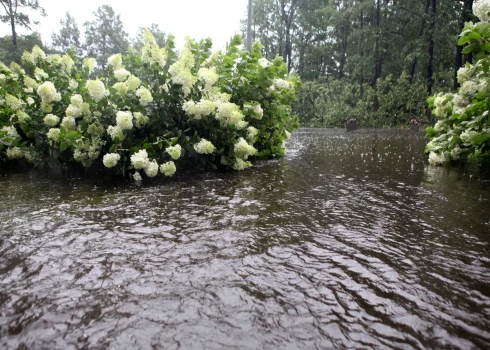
(350, 242)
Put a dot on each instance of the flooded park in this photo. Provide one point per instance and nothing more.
(351, 241)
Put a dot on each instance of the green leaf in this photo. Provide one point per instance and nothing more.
(63, 146)
(469, 48)
(474, 36)
(174, 140)
(148, 146)
(463, 40)
(478, 139)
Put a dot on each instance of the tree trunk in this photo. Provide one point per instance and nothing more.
(430, 69)
(421, 32)
(288, 21)
(343, 56)
(377, 56)
(361, 51)
(12, 25)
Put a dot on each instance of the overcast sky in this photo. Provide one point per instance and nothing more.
(218, 19)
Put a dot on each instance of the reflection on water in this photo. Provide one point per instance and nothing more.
(350, 241)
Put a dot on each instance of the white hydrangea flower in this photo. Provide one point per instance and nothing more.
(436, 159)
(168, 169)
(150, 52)
(145, 96)
(51, 120)
(110, 159)
(89, 63)
(69, 123)
(38, 54)
(264, 62)
(208, 76)
(13, 102)
(243, 149)
(54, 59)
(53, 134)
(122, 88)
(115, 61)
(40, 74)
(22, 116)
(468, 88)
(229, 114)
(240, 164)
(140, 119)
(140, 160)
(27, 58)
(174, 151)
(151, 169)
(241, 125)
(67, 63)
(97, 90)
(180, 71)
(133, 83)
(11, 131)
(124, 120)
(115, 131)
(121, 74)
(95, 129)
(463, 75)
(48, 93)
(204, 147)
(252, 133)
(14, 153)
(439, 126)
(481, 9)
(73, 84)
(73, 111)
(281, 84)
(482, 85)
(467, 135)
(76, 100)
(30, 101)
(29, 82)
(137, 177)
(456, 153)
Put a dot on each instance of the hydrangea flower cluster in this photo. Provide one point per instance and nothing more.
(462, 131)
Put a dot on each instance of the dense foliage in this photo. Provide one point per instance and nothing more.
(463, 128)
(149, 111)
(377, 60)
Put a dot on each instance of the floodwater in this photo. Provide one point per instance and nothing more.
(351, 241)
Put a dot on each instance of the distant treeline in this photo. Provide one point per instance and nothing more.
(104, 35)
(376, 60)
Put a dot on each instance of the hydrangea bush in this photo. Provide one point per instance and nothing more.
(462, 131)
(147, 113)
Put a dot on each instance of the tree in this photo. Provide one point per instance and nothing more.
(160, 36)
(15, 17)
(9, 53)
(105, 35)
(68, 36)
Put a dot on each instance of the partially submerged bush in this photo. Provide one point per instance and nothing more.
(463, 129)
(149, 112)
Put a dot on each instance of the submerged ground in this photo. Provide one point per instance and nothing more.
(350, 241)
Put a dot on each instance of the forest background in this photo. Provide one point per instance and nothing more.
(374, 60)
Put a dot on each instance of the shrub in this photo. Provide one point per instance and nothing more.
(148, 112)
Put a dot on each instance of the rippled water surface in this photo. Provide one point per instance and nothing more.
(350, 241)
